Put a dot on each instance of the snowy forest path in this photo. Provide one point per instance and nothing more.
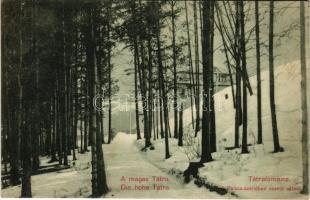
(126, 165)
(122, 158)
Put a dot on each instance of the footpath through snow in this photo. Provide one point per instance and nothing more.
(127, 166)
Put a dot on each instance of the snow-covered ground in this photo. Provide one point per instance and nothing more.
(230, 168)
(73, 182)
(127, 166)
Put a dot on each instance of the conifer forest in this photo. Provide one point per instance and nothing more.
(154, 98)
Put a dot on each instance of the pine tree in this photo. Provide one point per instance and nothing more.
(180, 138)
(259, 90)
(305, 158)
(23, 130)
(197, 69)
(162, 80)
(207, 49)
(244, 148)
(192, 84)
(174, 55)
(275, 134)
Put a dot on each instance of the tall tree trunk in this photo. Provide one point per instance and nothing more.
(211, 92)
(49, 129)
(54, 109)
(276, 142)
(87, 134)
(136, 67)
(59, 120)
(162, 83)
(259, 90)
(137, 62)
(142, 80)
(174, 55)
(81, 133)
(92, 92)
(99, 112)
(160, 109)
(156, 115)
(180, 139)
(65, 68)
(22, 133)
(14, 136)
(238, 110)
(191, 72)
(304, 119)
(109, 86)
(207, 49)
(197, 66)
(101, 174)
(36, 133)
(5, 107)
(244, 148)
(75, 91)
(26, 152)
(15, 140)
(150, 86)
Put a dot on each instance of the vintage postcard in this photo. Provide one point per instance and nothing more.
(186, 99)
